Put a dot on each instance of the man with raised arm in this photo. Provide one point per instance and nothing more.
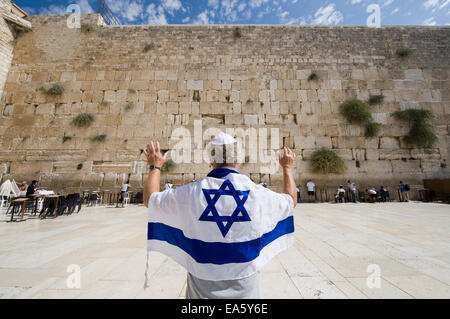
(224, 228)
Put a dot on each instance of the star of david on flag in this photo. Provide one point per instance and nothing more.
(210, 213)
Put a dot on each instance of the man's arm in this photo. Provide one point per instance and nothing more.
(154, 157)
(287, 163)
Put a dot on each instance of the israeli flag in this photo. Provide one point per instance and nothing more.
(224, 227)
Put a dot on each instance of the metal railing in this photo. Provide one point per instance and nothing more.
(107, 14)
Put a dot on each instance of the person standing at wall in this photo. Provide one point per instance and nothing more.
(311, 190)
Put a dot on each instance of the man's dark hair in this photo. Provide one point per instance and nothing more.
(34, 181)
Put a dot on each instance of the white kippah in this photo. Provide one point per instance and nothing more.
(223, 139)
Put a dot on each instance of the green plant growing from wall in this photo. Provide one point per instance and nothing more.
(168, 166)
(148, 47)
(313, 77)
(105, 103)
(86, 28)
(83, 120)
(327, 162)
(237, 33)
(79, 166)
(420, 133)
(403, 52)
(99, 138)
(376, 99)
(357, 112)
(132, 91)
(372, 129)
(129, 106)
(55, 89)
(66, 138)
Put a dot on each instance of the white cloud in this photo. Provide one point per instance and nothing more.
(444, 4)
(156, 14)
(431, 3)
(53, 9)
(85, 6)
(202, 18)
(127, 10)
(328, 16)
(395, 10)
(213, 3)
(429, 21)
(387, 3)
(171, 5)
(283, 16)
(186, 20)
(356, 1)
(256, 3)
(242, 6)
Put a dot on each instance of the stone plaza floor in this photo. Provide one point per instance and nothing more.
(335, 244)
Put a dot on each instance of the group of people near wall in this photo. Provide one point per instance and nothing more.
(351, 194)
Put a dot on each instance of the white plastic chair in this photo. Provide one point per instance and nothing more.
(127, 198)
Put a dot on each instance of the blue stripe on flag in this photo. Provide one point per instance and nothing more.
(216, 252)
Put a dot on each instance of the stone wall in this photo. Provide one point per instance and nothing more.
(7, 41)
(257, 80)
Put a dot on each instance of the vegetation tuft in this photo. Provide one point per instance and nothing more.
(86, 28)
(168, 166)
(313, 77)
(237, 33)
(356, 112)
(327, 162)
(420, 133)
(403, 52)
(372, 129)
(376, 99)
(83, 120)
(99, 138)
(148, 47)
(129, 106)
(66, 138)
(55, 89)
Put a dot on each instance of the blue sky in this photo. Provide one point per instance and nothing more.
(310, 12)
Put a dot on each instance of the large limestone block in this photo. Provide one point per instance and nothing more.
(389, 143)
(304, 142)
(394, 154)
(195, 84)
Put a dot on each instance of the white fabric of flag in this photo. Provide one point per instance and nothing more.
(224, 227)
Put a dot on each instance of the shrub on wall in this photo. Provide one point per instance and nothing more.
(313, 77)
(99, 138)
(168, 166)
(66, 138)
(357, 112)
(327, 162)
(86, 28)
(237, 33)
(420, 133)
(148, 47)
(403, 52)
(83, 120)
(372, 129)
(55, 89)
(376, 99)
(129, 106)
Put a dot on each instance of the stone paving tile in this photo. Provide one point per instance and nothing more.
(421, 286)
(334, 245)
(385, 291)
